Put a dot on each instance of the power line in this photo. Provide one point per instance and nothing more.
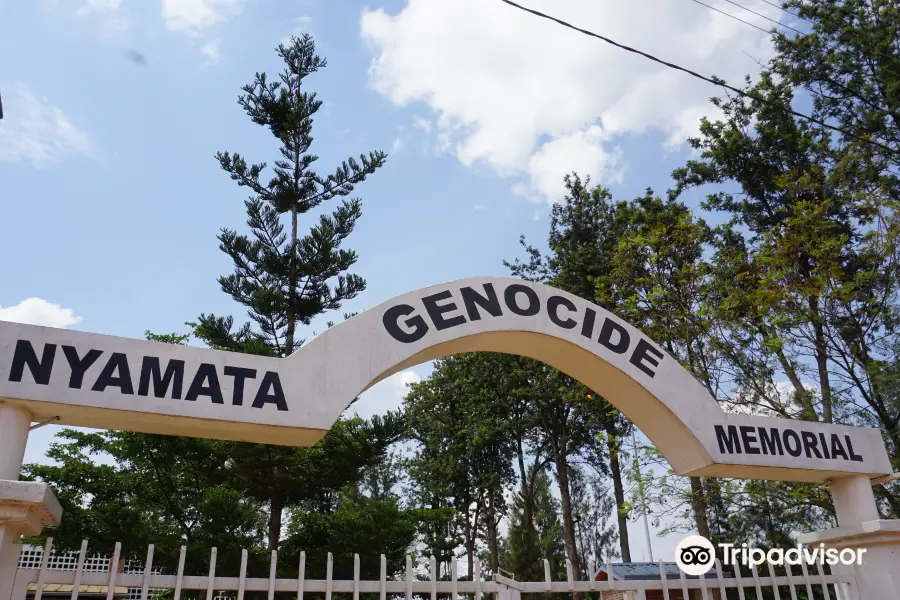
(766, 31)
(786, 10)
(829, 80)
(716, 82)
(763, 16)
(836, 84)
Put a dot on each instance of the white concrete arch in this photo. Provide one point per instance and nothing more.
(116, 383)
(517, 317)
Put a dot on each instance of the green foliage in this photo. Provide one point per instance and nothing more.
(459, 418)
(359, 525)
(581, 241)
(596, 536)
(282, 278)
(805, 281)
(788, 308)
(523, 555)
(149, 489)
(850, 63)
(285, 279)
(173, 491)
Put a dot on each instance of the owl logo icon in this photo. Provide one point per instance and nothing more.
(695, 555)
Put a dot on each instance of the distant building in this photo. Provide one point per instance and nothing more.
(32, 556)
(646, 571)
(54, 591)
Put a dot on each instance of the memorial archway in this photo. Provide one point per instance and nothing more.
(116, 383)
(99, 381)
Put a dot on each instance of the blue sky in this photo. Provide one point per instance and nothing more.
(111, 199)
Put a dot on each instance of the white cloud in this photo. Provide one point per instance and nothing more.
(36, 131)
(190, 16)
(37, 311)
(397, 144)
(114, 20)
(385, 395)
(534, 100)
(422, 123)
(300, 25)
(99, 6)
(582, 151)
(211, 51)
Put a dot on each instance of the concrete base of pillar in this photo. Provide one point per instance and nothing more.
(878, 577)
(26, 507)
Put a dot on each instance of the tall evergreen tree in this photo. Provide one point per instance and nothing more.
(524, 557)
(660, 282)
(581, 240)
(282, 278)
(464, 452)
(816, 256)
(286, 280)
(597, 539)
(849, 61)
(813, 234)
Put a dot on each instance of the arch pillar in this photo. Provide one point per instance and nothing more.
(854, 501)
(877, 573)
(25, 506)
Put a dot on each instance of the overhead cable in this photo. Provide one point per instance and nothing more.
(714, 81)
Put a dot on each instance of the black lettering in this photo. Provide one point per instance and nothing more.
(824, 445)
(770, 441)
(641, 353)
(587, 326)
(206, 383)
(621, 345)
(391, 320)
(276, 396)
(810, 444)
(490, 303)
(553, 304)
(837, 448)
(534, 303)
(436, 311)
(25, 355)
(240, 374)
(115, 374)
(790, 434)
(729, 443)
(853, 456)
(748, 436)
(79, 366)
(150, 370)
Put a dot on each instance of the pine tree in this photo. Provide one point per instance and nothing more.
(282, 278)
(582, 237)
(464, 452)
(524, 557)
(593, 507)
(286, 280)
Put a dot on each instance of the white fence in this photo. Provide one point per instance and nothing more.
(31, 558)
(80, 570)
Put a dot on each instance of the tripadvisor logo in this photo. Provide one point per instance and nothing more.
(696, 555)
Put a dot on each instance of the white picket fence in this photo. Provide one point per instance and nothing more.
(40, 568)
